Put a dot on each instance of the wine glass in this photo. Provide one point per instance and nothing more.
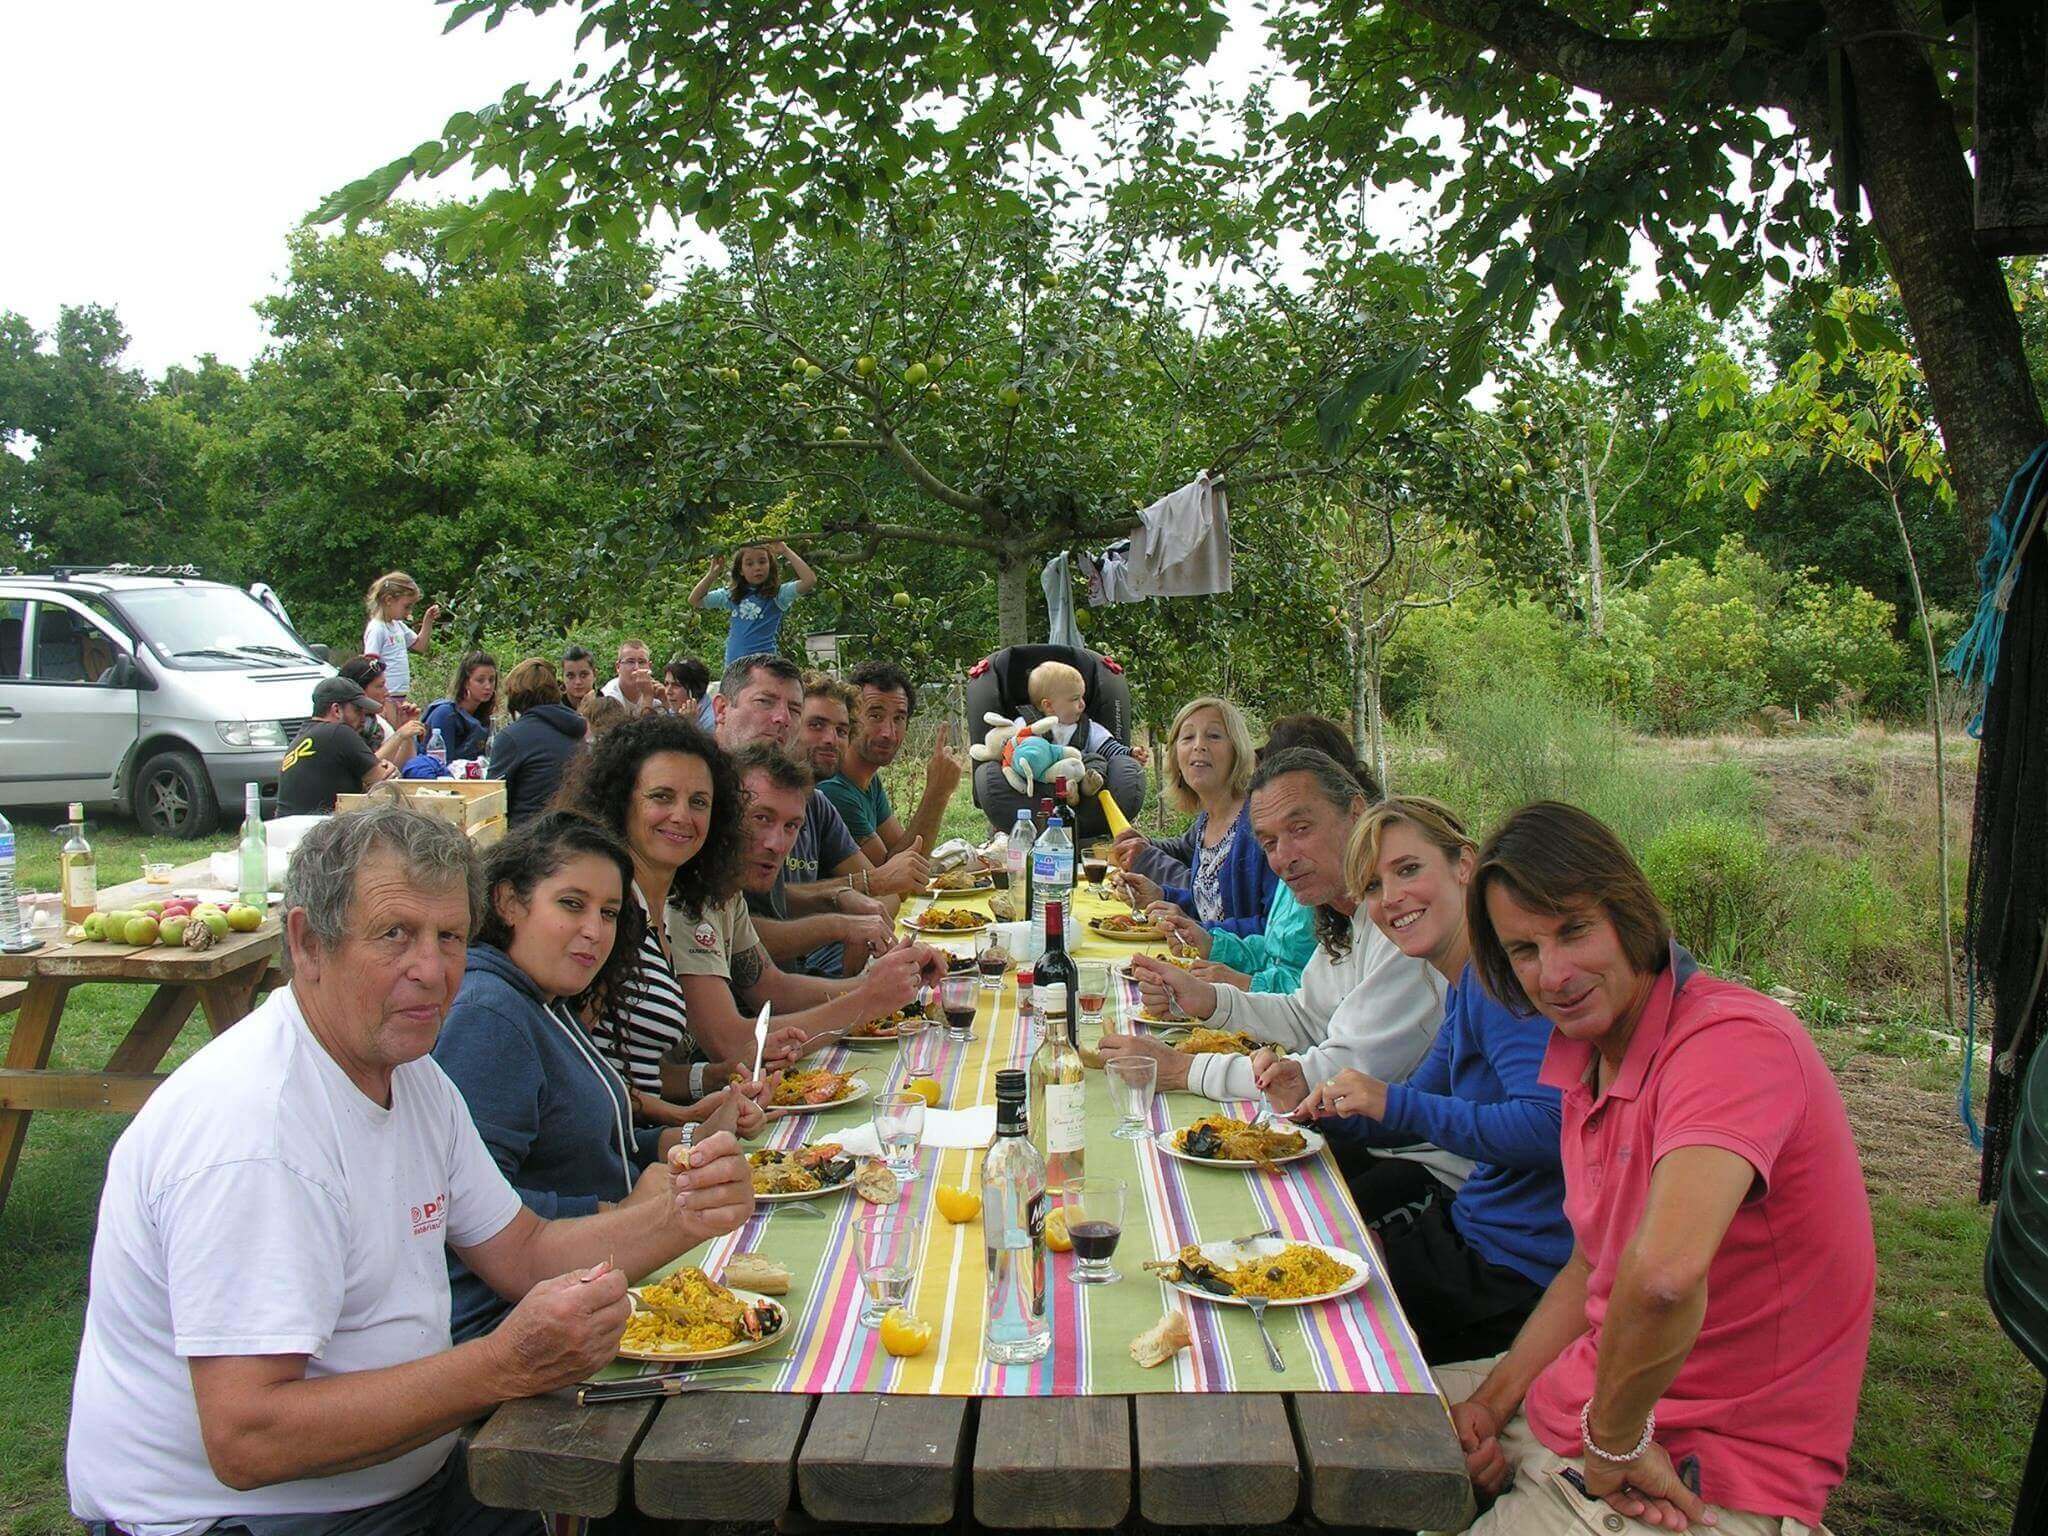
(1132, 1082)
(957, 996)
(885, 1247)
(1095, 1220)
(916, 1045)
(899, 1125)
(991, 959)
(1093, 990)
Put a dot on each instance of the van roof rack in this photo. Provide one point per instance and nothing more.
(66, 572)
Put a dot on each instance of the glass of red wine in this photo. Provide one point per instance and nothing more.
(991, 959)
(959, 995)
(1095, 1220)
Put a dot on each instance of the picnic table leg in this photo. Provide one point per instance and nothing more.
(35, 1031)
(155, 1029)
(229, 999)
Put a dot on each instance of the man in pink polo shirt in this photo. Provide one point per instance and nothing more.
(1699, 1358)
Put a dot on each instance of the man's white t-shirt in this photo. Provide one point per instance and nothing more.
(390, 641)
(614, 689)
(262, 1204)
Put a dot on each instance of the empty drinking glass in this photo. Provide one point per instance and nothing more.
(899, 1123)
(1132, 1082)
(1095, 1221)
(916, 1046)
(885, 1248)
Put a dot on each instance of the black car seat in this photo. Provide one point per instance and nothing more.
(997, 683)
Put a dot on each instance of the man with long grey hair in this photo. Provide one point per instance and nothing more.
(267, 1344)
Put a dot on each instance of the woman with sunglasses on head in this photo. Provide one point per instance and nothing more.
(559, 938)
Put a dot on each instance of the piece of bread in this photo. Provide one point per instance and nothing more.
(751, 1272)
(876, 1184)
(1159, 1343)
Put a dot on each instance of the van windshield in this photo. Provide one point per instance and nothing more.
(212, 629)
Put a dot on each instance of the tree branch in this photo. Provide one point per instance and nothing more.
(930, 483)
(1631, 71)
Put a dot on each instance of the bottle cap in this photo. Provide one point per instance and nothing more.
(1011, 1083)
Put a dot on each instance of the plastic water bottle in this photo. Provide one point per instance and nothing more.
(1022, 836)
(437, 749)
(255, 851)
(1052, 869)
(12, 934)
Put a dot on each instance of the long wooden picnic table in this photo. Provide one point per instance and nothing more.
(1245, 1455)
(223, 980)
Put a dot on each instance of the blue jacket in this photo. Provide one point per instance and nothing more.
(555, 1116)
(1248, 880)
(1476, 1094)
(1274, 957)
(462, 733)
(531, 754)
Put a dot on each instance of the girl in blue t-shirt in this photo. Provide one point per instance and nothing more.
(753, 598)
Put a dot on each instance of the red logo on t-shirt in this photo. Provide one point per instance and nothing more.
(706, 936)
(430, 1217)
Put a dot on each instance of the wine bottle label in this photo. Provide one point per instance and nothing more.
(81, 886)
(1065, 1117)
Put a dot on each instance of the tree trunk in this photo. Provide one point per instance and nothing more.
(1921, 202)
(1375, 722)
(1596, 569)
(1016, 580)
(1948, 951)
(1354, 674)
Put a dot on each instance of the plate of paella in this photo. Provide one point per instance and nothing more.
(800, 1173)
(687, 1317)
(943, 920)
(882, 1031)
(816, 1088)
(1285, 1272)
(1224, 1141)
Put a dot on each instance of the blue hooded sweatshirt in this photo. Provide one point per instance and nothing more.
(555, 1116)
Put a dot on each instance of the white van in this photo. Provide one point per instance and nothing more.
(146, 689)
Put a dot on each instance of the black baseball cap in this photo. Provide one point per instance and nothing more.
(330, 691)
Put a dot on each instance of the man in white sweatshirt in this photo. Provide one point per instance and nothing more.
(1361, 1003)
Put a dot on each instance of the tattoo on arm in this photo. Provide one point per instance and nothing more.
(747, 969)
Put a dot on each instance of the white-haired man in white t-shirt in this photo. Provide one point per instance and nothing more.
(267, 1345)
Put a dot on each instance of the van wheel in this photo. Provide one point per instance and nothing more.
(174, 797)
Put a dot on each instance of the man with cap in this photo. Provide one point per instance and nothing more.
(329, 757)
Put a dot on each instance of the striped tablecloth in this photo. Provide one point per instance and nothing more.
(1360, 1343)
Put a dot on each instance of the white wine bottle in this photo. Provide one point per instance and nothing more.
(1058, 1075)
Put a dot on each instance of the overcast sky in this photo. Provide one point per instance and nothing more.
(158, 150)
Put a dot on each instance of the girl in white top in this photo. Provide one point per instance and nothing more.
(388, 637)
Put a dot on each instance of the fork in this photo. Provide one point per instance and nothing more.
(1253, 1237)
(1257, 1307)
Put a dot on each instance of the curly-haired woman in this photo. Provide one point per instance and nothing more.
(666, 791)
(558, 936)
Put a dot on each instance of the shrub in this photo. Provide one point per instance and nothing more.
(1718, 881)
(1849, 926)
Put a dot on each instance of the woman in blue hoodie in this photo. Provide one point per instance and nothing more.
(535, 750)
(558, 936)
(1469, 1267)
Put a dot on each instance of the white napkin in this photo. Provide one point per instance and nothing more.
(949, 1130)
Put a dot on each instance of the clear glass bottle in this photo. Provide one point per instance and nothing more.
(78, 870)
(13, 935)
(1058, 1075)
(1015, 1329)
(255, 857)
(1018, 857)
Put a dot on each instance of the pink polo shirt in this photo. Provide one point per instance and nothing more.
(1767, 1398)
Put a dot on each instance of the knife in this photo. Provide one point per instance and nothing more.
(650, 1386)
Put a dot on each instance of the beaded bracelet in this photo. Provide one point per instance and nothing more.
(1610, 1457)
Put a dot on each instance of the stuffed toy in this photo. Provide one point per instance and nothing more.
(1032, 762)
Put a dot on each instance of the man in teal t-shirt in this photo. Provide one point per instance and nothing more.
(886, 702)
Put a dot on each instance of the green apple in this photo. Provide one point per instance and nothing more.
(1048, 280)
(244, 919)
(172, 930)
(916, 374)
(901, 599)
(647, 290)
(155, 907)
(864, 366)
(813, 373)
(1010, 396)
(938, 361)
(933, 392)
(842, 431)
(215, 919)
(140, 930)
(95, 926)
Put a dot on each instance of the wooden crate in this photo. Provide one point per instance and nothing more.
(476, 805)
